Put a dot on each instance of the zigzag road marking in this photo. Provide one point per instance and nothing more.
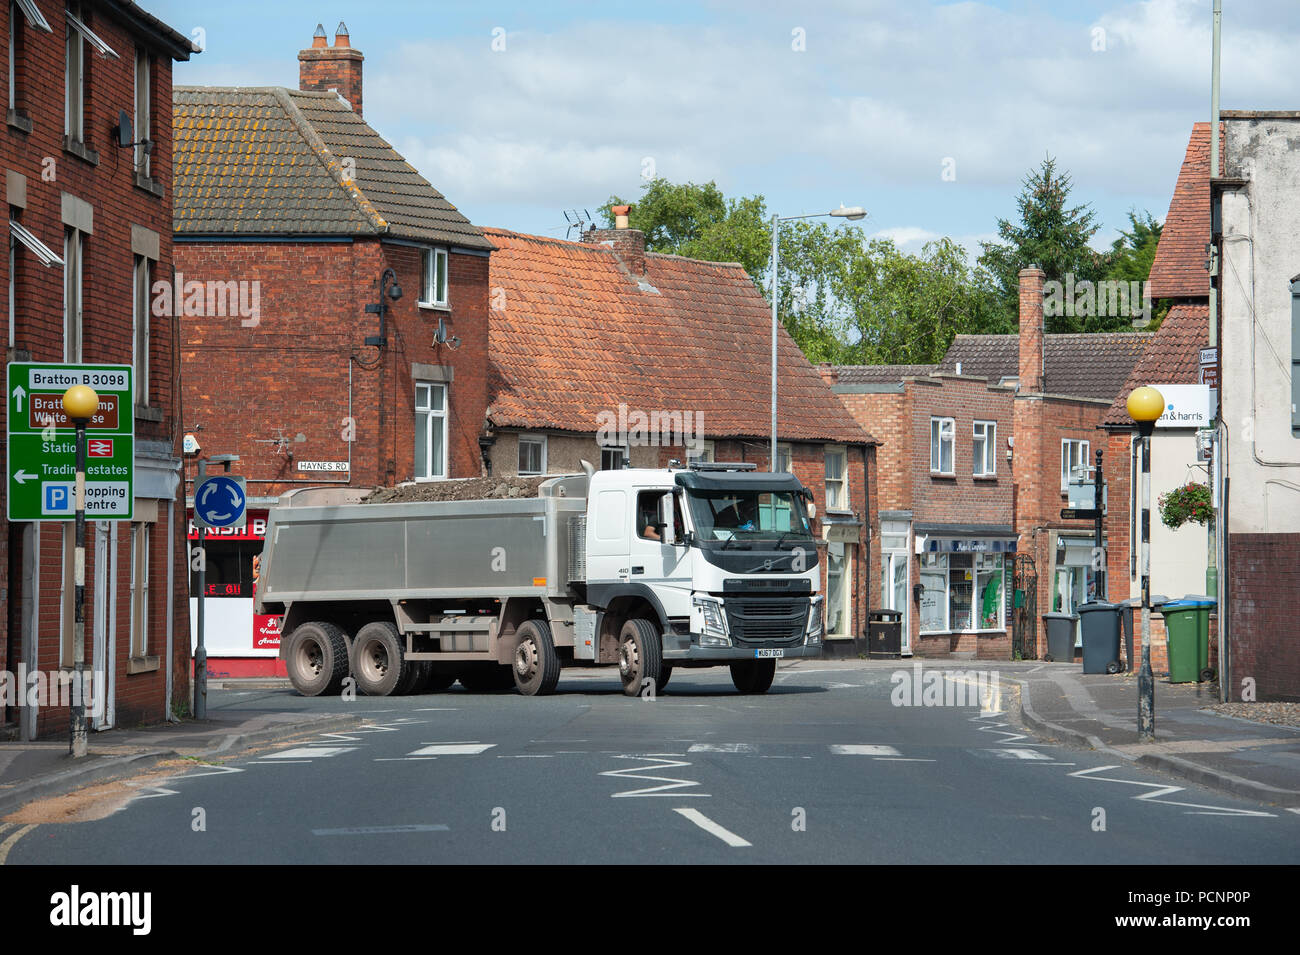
(1011, 736)
(657, 763)
(1158, 790)
(390, 727)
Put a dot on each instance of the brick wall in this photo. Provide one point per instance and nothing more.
(101, 175)
(287, 375)
(1263, 580)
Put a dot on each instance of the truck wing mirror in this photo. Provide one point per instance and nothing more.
(667, 530)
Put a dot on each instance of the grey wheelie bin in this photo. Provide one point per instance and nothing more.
(1060, 636)
(1100, 623)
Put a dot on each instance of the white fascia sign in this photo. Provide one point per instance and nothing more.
(1186, 406)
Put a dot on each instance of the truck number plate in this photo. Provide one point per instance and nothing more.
(760, 654)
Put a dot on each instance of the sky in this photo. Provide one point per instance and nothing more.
(927, 114)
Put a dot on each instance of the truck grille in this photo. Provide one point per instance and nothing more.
(767, 622)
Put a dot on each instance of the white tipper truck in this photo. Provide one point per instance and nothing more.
(648, 569)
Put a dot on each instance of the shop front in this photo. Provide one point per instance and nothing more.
(964, 584)
(239, 641)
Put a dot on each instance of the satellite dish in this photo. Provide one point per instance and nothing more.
(125, 134)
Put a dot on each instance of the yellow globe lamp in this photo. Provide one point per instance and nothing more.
(80, 402)
(1145, 406)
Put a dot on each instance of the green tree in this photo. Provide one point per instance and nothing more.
(1053, 235)
(1133, 254)
(699, 222)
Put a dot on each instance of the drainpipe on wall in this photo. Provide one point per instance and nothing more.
(1212, 544)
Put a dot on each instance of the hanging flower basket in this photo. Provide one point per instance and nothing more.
(1191, 502)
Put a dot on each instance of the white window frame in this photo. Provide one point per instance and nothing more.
(143, 131)
(841, 484)
(785, 458)
(33, 15)
(76, 23)
(1068, 460)
(538, 440)
(435, 470)
(74, 250)
(988, 457)
(141, 539)
(74, 81)
(430, 261)
(704, 455)
(940, 560)
(623, 455)
(942, 429)
(140, 328)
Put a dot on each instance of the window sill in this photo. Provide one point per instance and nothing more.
(142, 664)
(20, 121)
(943, 474)
(427, 480)
(80, 150)
(149, 185)
(147, 413)
(434, 306)
(984, 477)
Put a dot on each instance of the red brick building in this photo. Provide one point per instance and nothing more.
(601, 351)
(90, 231)
(975, 458)
(295, 222)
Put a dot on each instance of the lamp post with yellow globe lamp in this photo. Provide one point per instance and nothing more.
(1145, 406)
(80, 403)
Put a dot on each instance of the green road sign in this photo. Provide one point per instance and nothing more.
(42, 456)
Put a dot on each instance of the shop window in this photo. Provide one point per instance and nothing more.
(934, 596)
(839, 574)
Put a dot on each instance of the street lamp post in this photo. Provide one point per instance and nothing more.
(80, 403)
(853, 213)
(1145, 406)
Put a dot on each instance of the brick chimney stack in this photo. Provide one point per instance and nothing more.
(336, 68)
(1031, 329)
(628, 244)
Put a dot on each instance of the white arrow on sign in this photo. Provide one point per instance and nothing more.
(234, 496)
(19, 393)
(22, 477)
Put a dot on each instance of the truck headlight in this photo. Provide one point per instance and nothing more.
(815, 626)
(712, 623)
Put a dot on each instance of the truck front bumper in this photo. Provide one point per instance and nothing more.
(685, 651)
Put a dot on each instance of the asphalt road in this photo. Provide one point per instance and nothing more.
(822, 769)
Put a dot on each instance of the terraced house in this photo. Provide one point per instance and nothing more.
(89, 202)
(977, 454)
(332, 305)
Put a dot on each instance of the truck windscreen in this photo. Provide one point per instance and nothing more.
(748, 515)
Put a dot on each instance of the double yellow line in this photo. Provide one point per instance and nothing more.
(13, 838)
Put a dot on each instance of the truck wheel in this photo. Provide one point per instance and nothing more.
(316, 658)
(378, 663)
(640, 655)
(413, 677)
(753, 676)
(665, 672)
(537, 666)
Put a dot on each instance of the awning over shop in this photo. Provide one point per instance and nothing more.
(964, 538)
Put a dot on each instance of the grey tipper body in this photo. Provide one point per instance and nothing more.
(644, 569)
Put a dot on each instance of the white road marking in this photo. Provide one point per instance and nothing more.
(527, 756)
(374, 830)
(310, 752)
(436, 709)
(722, 748)
(11, 841)
(1018, 754)
(284, 762)
(904, 759)
(863, 749)
(669, 782)
(711, 827)
(452, 749)
(1157, 790)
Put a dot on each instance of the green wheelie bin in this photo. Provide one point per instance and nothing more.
(1187, 623)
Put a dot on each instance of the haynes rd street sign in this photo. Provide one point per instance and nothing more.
(42, 457)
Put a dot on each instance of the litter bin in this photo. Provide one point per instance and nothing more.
(1100, 624)
(885, 633)
(1187, 623)
(1060, 636)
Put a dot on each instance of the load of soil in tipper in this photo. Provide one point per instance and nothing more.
(461, 489)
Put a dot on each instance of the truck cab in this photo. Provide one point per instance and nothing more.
(719, 558)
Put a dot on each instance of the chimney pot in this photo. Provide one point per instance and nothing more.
(341, 38)
(318, 41)
(620, 216)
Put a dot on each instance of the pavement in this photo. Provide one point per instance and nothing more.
(1054, 700)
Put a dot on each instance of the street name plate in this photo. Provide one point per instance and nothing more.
(42, 447)
(1080, 514)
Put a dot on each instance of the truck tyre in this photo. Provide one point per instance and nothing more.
(665, 672)
(640, 655)
(413, 677)
(537, 665)
(316, 658)
(753, 676)
(378, 659)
